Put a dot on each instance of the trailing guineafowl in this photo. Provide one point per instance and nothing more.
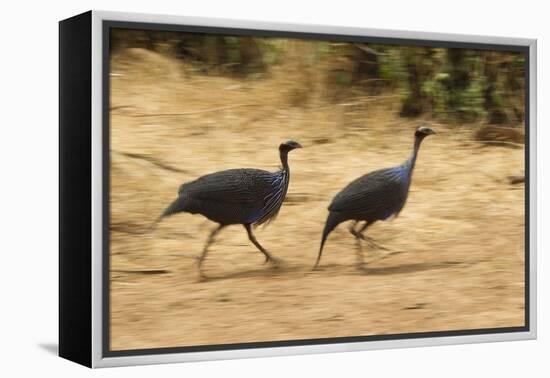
(236, 196)
(375, 196)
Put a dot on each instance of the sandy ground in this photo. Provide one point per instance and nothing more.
(456, 259)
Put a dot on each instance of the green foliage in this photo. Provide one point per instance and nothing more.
(455, 89)
(449, 84)
(322, 49)
(273, 51)
(392, 67)
(456, 86)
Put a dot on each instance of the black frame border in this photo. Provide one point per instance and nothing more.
(107, 25)
(75, 189)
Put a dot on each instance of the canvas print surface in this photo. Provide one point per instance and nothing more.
(233, 157)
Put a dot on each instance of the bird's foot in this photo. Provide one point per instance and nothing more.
(391, 253)
(202, 276)
(362, 267)
(383, 256)
(373, 244)
(275, 261)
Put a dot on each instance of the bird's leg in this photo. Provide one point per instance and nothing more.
(353, 231)
(358, 236)
(359, 233)
(370, 241)
(360, 259)
(252, 238)
(377, 247)
(209, 241)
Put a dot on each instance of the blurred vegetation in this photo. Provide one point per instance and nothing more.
(450, 85)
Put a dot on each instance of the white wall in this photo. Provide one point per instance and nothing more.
(28, 200)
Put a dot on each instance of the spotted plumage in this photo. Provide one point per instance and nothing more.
(375, 196)
(244, 196)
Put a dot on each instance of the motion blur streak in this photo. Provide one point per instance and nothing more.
(184, 105)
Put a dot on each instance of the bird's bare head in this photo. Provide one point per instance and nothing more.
(289, 145)
(424, 131)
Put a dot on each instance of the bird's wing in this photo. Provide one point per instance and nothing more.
(380, 193)
(274, 200)
(247, 187)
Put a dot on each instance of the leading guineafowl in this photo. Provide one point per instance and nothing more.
(244, 196)
(375, 196)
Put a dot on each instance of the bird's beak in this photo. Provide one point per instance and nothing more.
(298, 145)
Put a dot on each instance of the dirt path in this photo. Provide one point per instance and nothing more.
(458, 244)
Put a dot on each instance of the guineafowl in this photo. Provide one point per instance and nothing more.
(375, 196)
(244, 196)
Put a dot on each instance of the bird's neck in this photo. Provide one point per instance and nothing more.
(284, 160)
(412, 159)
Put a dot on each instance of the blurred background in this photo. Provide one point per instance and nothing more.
(184, 105)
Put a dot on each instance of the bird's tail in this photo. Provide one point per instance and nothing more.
(175, 207)
(333, 220)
